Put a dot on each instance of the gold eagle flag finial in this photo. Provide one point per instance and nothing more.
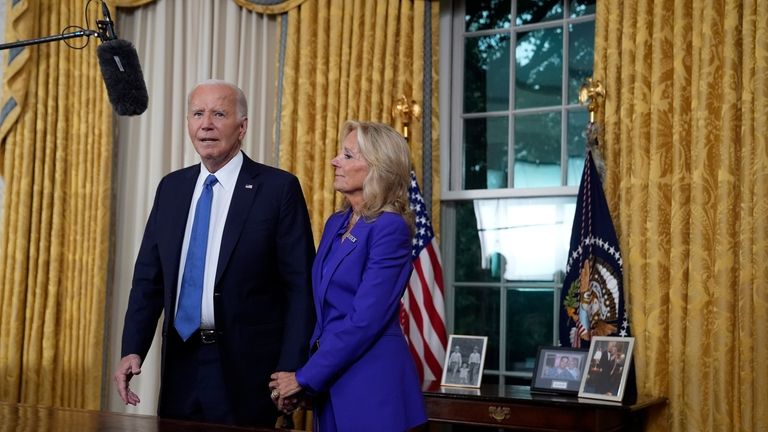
(406, 111)
(589, 93)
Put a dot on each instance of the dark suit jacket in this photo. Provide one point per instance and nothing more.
(262, 294)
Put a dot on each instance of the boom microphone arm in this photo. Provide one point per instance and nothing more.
(118, 61)
(53, 38)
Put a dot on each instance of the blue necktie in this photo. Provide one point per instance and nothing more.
(191, 296)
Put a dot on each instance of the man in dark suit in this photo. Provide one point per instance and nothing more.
(606, 365)
(237, 301)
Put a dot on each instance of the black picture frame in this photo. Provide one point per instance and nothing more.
(559, 370)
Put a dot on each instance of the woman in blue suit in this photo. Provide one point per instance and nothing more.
(361, 376)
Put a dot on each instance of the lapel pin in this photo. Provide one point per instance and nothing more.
(351, 237)
(249, 186)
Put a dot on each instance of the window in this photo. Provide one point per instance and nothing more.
(516, 145)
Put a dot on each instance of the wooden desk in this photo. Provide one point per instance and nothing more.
(30, 418)
(514, 407)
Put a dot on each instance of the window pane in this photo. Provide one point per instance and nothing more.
(477, 313)
(580, 49)
(577, 144)
(582, 7)
(536, 11)
(486, 73)
(539, 68)
(529, 324)
(537, 150)
(485, 153)
(487, 14)
(470, 264)
(531, 235)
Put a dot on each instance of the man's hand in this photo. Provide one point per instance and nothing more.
(129, 366)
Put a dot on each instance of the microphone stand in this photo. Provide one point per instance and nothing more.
(54, 38)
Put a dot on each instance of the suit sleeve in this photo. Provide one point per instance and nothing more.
(295, 253)
(145, 302)
(375, 303)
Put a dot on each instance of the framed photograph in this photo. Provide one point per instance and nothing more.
(606, 375)
(464, 361)
(559, 369)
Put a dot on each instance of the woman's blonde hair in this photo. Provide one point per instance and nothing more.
(385, 188)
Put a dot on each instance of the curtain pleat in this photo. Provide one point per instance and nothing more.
(55, 247)
(20, 25)
(345, 60)
(685, 126)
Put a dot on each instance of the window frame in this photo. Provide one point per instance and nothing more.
(452, 35)
(452, 42)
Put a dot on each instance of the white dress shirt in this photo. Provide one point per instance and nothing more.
(222, 197)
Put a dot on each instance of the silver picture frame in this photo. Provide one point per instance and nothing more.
(610, 358)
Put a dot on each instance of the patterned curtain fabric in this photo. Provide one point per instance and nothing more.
(345, 59)
(129, 3)
(686, 123)
(56, 151)
(269, 6)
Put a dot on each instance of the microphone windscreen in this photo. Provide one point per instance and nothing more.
(122, 75)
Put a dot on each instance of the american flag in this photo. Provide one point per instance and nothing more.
(422, 314)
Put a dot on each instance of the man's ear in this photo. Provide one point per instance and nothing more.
(243, 128)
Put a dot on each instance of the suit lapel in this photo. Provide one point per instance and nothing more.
(329, 235)
(239, 208)
(179, 197)
(337, 255)
(320, 283)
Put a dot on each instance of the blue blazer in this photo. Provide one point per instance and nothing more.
(262, 294)
(362, 370)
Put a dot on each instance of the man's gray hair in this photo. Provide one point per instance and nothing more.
(242, 102)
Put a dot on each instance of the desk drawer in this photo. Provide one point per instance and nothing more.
(522, 416)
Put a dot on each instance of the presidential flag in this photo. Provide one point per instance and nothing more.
(422, 313)
(592, 299)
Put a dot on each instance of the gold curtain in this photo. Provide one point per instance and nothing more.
(686, 121)
(265, 7)
(129, 3)
(56, 151)
(269, 6)
(347, 59)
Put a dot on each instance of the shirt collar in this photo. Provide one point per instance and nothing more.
(227, 175)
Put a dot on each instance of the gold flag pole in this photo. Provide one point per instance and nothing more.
(406, 111)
